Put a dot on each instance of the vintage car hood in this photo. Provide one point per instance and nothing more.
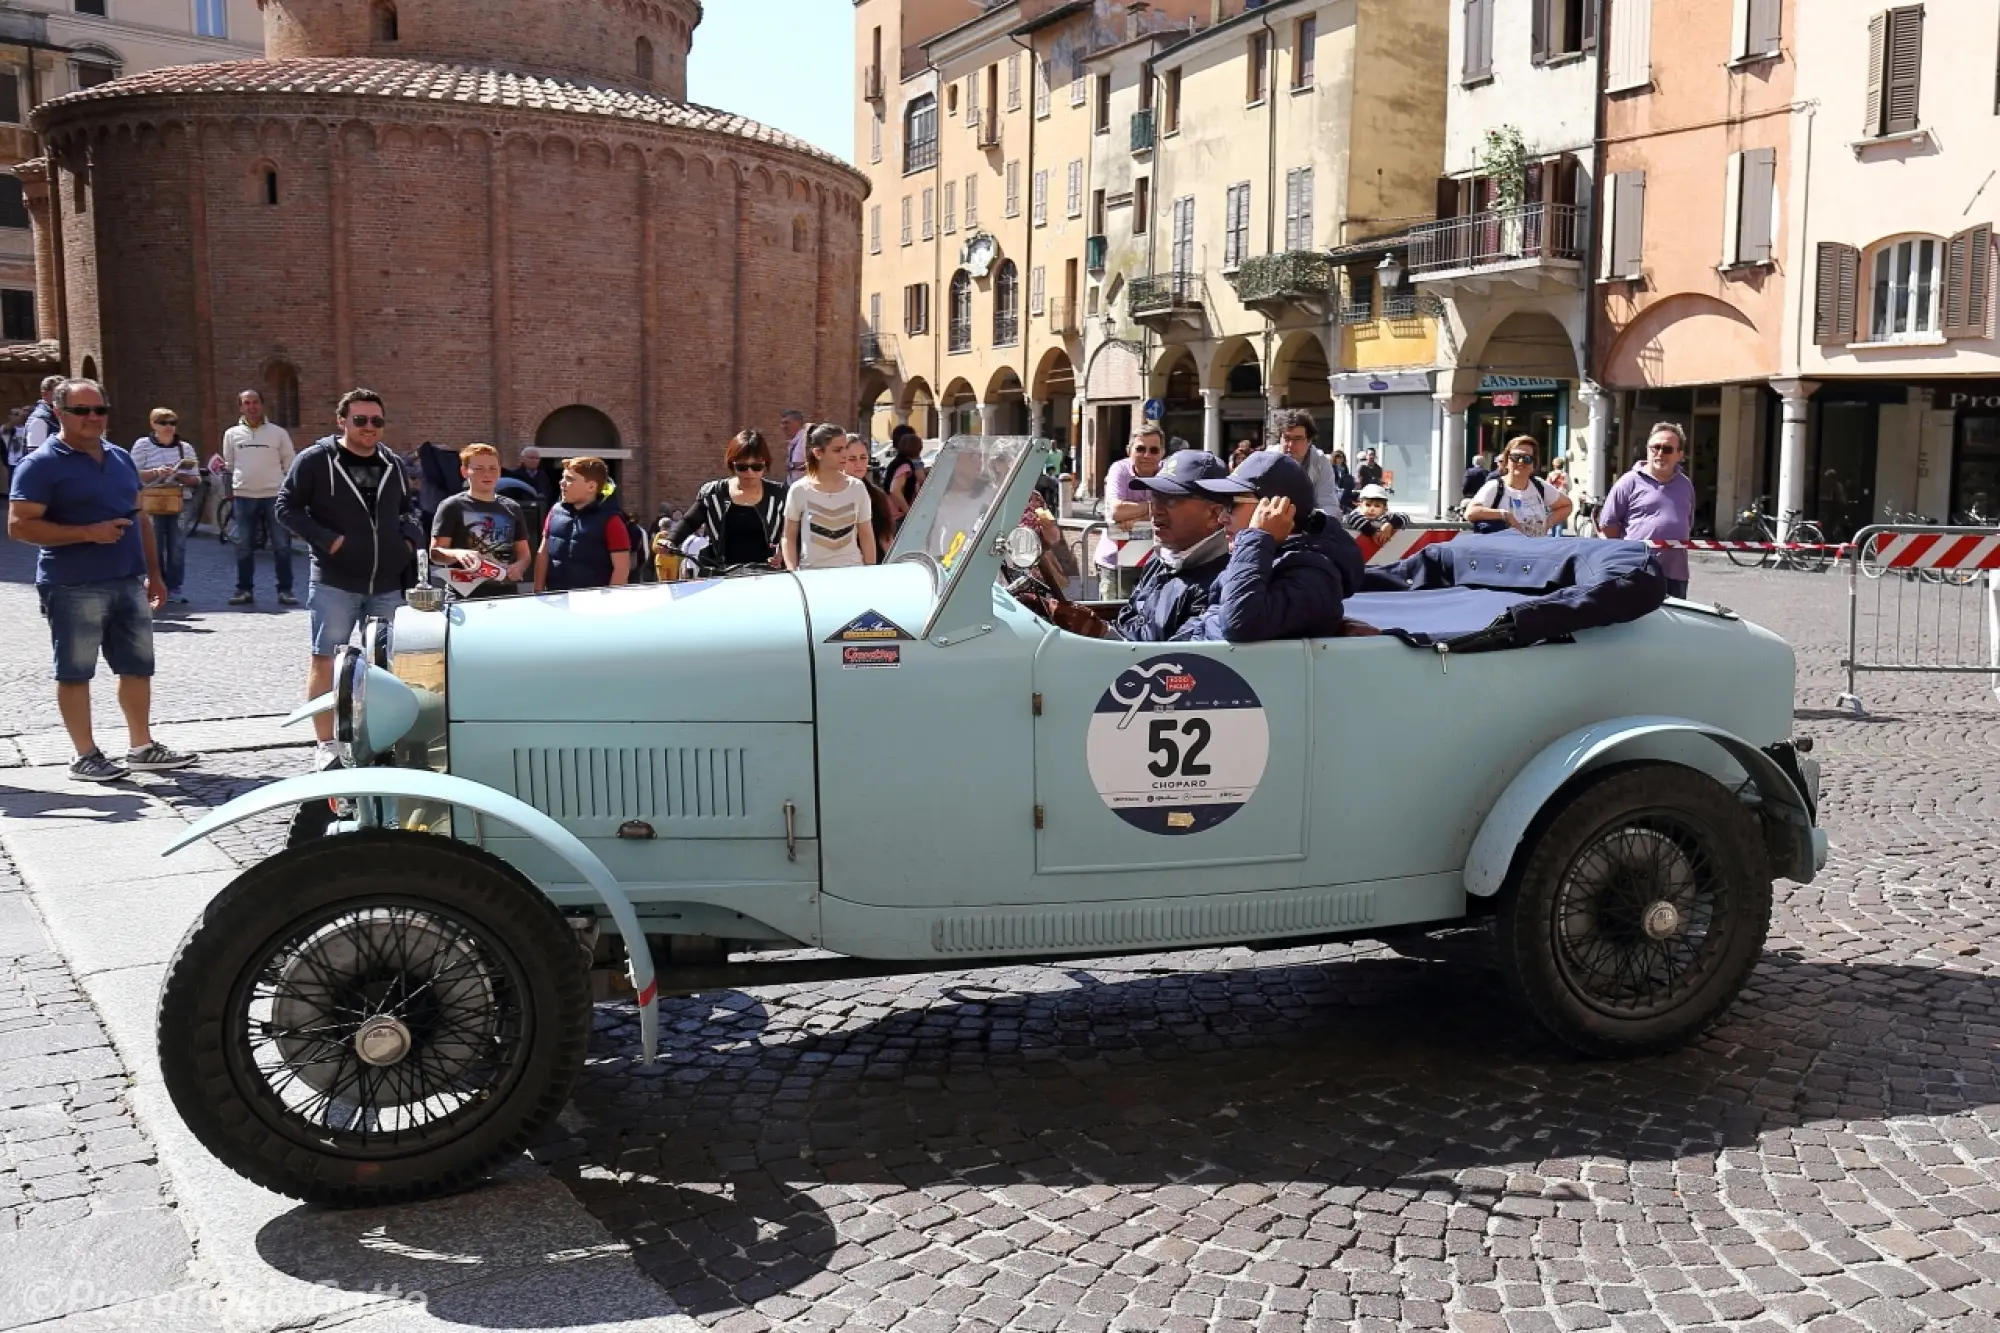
(714, 650)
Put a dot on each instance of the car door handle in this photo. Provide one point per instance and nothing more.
(791, 832)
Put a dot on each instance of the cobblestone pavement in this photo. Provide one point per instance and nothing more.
(215, 660)
(1341, 1138)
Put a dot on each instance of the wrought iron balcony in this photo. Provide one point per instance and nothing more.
(1006, 328)
(986, 129)
(1269, 283)
(1142, 131)
(1524, 237)
(1160, 300)
(1399, 305)
(959, 336)
(1356, 312)
(871, 83)
(878, 349)
(1062, 319)
(1093, 253)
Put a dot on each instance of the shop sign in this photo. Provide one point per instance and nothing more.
(1391, 381)
(1506, 400)
(1518, 384)
(1982, 397)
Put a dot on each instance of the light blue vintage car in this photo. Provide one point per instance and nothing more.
(721, 784)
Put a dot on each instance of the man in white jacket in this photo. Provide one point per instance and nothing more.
(258, 455)
(1296, 432)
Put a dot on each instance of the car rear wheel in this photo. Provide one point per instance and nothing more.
(373, 1018)
(1640, 910)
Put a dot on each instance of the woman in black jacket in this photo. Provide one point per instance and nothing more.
(741, 514)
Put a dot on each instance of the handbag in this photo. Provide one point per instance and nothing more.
(163, 501)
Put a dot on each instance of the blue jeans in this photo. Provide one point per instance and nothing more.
(246, 513)
(110, 615)
(172, 541)
(332, 614)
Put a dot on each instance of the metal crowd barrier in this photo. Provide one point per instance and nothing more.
(1922, 600)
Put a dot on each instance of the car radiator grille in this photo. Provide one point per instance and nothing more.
(602, 782)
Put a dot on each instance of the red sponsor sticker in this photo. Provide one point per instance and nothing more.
(1180, 683)
(872, 655)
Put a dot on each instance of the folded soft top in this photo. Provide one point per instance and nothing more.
(1507, 591)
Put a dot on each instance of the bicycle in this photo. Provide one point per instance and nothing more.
(1754, 525)
(1583, 523)
(194, 498)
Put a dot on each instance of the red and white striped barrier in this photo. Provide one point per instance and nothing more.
(1933, 550)
(1704, 544)
(1406, 542)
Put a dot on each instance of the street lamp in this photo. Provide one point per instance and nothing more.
(1389, 273)
(1110, 324)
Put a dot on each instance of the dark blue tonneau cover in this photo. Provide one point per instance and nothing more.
(1507, 591)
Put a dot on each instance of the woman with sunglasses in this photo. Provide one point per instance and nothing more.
(742, 514)
(166, 463)
(1517, 498)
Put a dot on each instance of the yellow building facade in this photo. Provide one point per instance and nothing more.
(1249, 180)
(976, 138)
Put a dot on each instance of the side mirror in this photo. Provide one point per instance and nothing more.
(1022, 548)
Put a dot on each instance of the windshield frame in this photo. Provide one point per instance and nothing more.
(942, 532)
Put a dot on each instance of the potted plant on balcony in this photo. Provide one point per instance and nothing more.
(1503, 159)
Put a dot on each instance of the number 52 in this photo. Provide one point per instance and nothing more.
(1171, 761)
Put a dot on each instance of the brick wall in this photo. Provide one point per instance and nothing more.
(595, 39)
(481, 270)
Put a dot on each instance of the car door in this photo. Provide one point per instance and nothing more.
(1170, 769)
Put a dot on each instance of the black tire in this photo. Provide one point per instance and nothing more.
(225, 520)
(497, 1017)
(1809, 534)
(1573, 942)
(1748, 532)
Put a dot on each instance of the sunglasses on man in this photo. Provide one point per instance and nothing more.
(98, 410)
(367, 423)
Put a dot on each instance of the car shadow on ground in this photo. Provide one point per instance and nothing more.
(85, 805)
(738, 1166)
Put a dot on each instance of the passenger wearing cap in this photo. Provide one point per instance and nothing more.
(1192, 536)
(1371, 522)
(1291, 567)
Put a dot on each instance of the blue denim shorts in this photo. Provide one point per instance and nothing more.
(333, 614)
(109, 616)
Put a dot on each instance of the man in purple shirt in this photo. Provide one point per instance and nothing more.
(1655, 502)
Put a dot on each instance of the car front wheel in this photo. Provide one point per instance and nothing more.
(1640, 910)
(373, 1018)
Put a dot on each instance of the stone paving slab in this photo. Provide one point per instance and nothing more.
(200, 736)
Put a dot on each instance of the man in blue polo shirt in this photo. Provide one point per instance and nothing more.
(77, 498)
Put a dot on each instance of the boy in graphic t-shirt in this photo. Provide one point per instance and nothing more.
(478, 522)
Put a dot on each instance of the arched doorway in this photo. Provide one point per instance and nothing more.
(1176, 382)
(281, 394)
(1527, 378)
(1009, 400)
(1055, 391)
(1238, 373)
(959, 409)
(919, 408)
(578, 431)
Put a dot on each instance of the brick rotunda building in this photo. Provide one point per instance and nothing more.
(500, 214)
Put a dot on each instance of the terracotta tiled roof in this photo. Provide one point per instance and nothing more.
(17, 357)
(425, 81)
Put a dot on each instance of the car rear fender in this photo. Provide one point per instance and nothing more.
(445, 789)
(1799, 849)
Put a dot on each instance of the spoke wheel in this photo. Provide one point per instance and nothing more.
(1641, 907)
(372, 1018)
(1810, 534)
(1748, 532)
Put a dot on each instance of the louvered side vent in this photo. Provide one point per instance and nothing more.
(598, 782)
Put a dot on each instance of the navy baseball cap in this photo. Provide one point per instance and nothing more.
(1180, 474)
(1265, 474)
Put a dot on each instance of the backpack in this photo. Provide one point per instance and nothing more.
(1489, 525)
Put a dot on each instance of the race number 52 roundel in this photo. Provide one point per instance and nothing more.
(1177, 744)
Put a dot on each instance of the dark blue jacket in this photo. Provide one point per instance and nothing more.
(1168, 603)
(378, 542)
(579, 556)
(1289, 590)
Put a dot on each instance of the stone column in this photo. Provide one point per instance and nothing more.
(1343, 418)
(1598, 399)
(1794, 396)
(1451, 455)
(899, 415)
(1211, 424)
(988, 415)
(35, 185)
(1034, 410)
(1086, 454)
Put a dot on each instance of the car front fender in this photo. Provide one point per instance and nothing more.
(444, 789)
(1499, 838)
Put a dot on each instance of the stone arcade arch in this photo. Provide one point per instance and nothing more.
(919, 407)
(576, 431)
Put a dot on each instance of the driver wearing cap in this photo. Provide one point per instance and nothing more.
(1193, 546)
(1290, 568)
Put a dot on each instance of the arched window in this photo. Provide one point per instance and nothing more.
(1006, 305)
(270, 195)
(920, 133)
(961, 312)
(1905, 287)
(281, 394)
(90, 66)
(643, 59)
(382, 21)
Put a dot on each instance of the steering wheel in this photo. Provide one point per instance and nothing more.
(1030, 585)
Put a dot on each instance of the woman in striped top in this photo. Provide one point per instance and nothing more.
(164, 460)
